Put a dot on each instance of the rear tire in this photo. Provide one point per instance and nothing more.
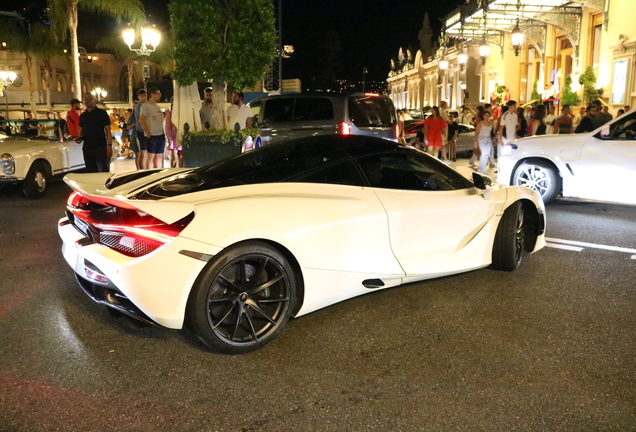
(509, 242)
(243, 298)
(541, 177)
(36, 181)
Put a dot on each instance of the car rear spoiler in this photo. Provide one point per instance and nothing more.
(92, 187)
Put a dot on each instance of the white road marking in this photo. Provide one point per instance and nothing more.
(566, 247)
(592, 245)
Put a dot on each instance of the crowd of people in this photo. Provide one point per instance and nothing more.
(498, 124)
(144, 132)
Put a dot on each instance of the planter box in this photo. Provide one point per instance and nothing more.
(204, 150)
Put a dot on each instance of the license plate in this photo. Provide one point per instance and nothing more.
(81, 226)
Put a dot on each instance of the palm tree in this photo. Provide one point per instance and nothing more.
(45, 47)
(64, 16)
(34, 42)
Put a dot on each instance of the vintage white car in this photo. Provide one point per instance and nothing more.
(30, 156)
(599, 165)
(235, 248)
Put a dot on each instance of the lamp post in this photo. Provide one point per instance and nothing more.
(364, 74)
(99, 93)
(484, 51)
(462, 59)
(150, 39)
(517, 38)
(7, 79)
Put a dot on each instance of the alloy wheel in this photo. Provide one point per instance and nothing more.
(248, 300)
(534, 177)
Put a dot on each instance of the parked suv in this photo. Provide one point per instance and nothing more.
(283, 117)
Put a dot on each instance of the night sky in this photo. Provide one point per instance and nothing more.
(359, 33)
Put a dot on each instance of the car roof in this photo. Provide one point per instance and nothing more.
(354, 145)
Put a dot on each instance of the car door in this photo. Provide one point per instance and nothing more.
(607, 167)
(75, 155)
(277, 119)
(433, 211)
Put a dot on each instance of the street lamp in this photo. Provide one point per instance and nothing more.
(443, 64)
(517, 38)
(462, 59)
(99, 93)
(150, 39)
(7, 79)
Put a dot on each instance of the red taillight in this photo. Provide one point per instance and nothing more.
(372, 94)
(345, 128)
(130, 232)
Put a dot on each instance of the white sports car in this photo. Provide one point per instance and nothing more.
(235, 248)
(600, 165)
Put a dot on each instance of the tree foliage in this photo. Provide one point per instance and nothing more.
(569, 97)
(588, 81)
(535, 96)
(222, 40)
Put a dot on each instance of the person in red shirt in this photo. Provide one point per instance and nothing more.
(72, 118)
(434, 127)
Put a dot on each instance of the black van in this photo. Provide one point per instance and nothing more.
(283, 117)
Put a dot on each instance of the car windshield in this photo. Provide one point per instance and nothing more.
(33, 129)
(624, 128)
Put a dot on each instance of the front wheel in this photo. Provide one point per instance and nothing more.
(35, 183)
(541, 177)
(243, 299)
(509, 242)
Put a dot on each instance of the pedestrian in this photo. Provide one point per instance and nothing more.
(60, 127)
(479, 116)
(31, 126)
(176, 151)
(587, 122)
(468, 116)
(443, 112)
(114, 125)
(523, 124)
(483, 140)
(577, 119)
(125, 135)
(528, 113)
(151, 119)
(72, 118)
(620, 112)
(627, 108)
(238, 113)
(434, 130)
(131, 127)
(508, 126)
(400, 131)
(94, 132)
(420, 139)
(139, 130)
(453, 133)
(549, 120)
(548, 96)
(563, 124)
(537, 126)
(206, 109)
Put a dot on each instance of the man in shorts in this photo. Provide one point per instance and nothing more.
(151, 119)
(139, 130)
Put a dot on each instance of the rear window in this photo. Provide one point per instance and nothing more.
(278, 110)
(310, 108)
(371, 111)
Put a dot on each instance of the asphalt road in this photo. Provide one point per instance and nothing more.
(549, 347)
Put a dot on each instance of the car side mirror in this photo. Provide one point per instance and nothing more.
(481, 181)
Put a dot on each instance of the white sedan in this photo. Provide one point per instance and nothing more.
(235, 248)
(32, 160)
(599, 165)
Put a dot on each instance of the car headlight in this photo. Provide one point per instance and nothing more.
(508, 148)
(8, 164)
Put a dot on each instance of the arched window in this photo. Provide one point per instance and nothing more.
(60, 85)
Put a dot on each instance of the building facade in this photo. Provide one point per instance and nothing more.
(475, 55)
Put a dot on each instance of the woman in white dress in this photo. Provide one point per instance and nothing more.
(483, 138)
